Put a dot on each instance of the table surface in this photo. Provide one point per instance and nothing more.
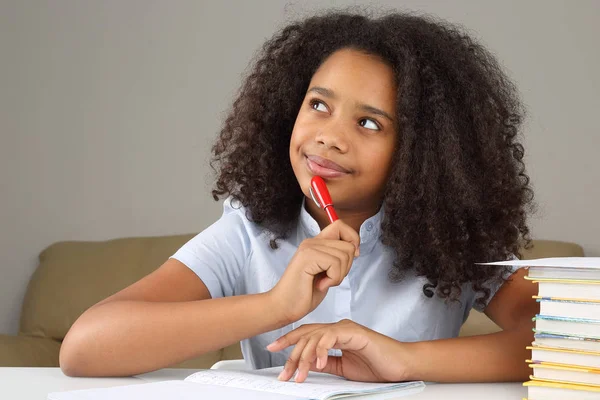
(36, 383)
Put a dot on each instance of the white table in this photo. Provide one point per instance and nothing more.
(36, 383)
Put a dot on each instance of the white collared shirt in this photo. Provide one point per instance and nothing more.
(233, 257)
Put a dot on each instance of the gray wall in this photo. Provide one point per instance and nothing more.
(108, 109)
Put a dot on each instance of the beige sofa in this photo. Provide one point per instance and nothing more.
(72, 276)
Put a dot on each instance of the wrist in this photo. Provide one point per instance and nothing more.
(412, 357)
(399, 357)
(273, 304)
(403, 358)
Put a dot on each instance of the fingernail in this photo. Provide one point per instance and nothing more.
(271, 345)
(319, 363)
(280, 375)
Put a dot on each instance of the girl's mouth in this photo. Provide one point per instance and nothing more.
(325, 168)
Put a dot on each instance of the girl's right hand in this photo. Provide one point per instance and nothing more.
(318, 264)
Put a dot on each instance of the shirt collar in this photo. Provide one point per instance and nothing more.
(369, 232)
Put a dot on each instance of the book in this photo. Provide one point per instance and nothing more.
(564, 357)
(569, 278)
(574, 375)
(560, 391)
(568, 289)
(584, 328)
(564, 263)
(565, 353)
(248, 385)
(566, 342)
(569, 309)
(565, 273)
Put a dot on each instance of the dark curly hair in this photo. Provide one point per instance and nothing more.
(458, 192)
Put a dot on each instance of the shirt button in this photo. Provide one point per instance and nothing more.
(369, 226)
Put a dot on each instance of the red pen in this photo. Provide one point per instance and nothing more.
(320, 194)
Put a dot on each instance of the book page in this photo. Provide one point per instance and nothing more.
(316, 386)
(564, 262)
(168, 390)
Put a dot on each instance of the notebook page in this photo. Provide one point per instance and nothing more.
(317, 385)
(168, 390)
(564, 262)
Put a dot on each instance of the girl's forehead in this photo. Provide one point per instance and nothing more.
(350, 73)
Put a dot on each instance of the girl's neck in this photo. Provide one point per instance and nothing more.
(354, 218)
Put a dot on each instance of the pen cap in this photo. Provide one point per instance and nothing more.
(319, 192)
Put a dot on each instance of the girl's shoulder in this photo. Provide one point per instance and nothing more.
(236, 219)
(236, 213)
(228, 241)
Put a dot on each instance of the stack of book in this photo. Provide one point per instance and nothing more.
(565, 353)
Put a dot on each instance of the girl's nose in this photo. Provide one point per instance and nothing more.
(334, 138)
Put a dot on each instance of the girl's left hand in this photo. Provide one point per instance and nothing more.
(367, 355)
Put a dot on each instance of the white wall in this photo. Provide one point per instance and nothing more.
(108, 110)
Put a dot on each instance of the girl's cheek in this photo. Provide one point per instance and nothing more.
(300, 135)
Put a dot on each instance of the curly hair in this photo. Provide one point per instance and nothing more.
(458, 193)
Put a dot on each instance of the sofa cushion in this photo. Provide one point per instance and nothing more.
(74, 275)
(27, 351)
(551, 248)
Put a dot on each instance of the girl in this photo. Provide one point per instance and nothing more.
(413, 126)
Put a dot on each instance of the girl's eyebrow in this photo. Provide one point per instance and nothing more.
(323, 92)
(364, 107)
(376, 111)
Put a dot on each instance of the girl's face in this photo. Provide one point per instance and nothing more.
(346, 130)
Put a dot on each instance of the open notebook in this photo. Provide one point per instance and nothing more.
(248, 385)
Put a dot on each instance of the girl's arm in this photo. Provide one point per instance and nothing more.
(494, 357)
(370, 356)
(169, 316)
(164, 318)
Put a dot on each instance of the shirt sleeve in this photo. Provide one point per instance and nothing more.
(219, 253)
(493, 286)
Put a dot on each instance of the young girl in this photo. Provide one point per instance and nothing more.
(413, 126)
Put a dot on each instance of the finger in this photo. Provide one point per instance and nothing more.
(343, 265)
(338, 244)
(318, 259)
(316, 250)
(308, 356)
(332, 277)
(326, 342)
(291, 338)
(291, 365)
(333, 366)
(345, 247)
(339, 230)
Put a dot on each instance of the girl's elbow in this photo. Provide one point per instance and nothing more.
(68, 365)
(67, 360)
(72, 357)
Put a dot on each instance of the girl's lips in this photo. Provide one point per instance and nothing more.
(325, 172)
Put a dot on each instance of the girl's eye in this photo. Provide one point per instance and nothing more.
(317, 105)
(369, 124)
